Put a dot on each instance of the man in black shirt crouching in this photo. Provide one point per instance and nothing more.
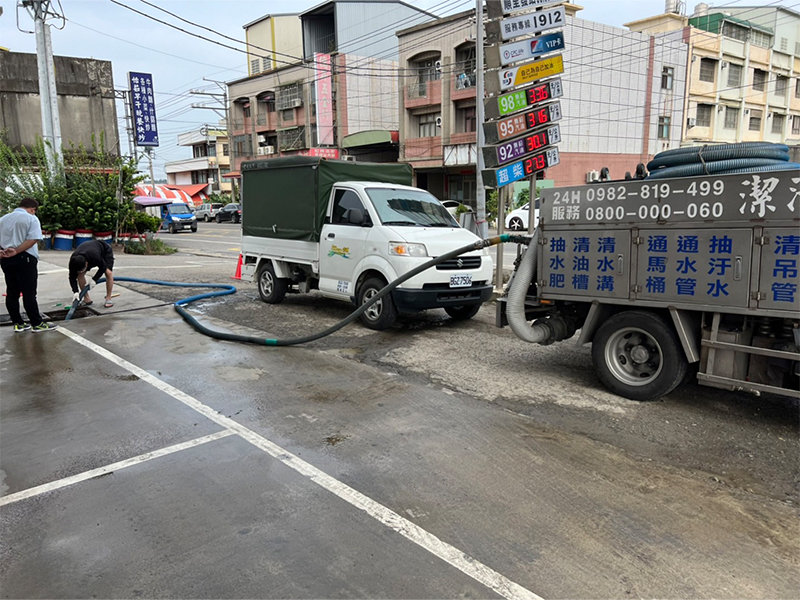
(91, 254)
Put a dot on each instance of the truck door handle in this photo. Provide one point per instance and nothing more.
(331, 236)
(620, 264)
(737, 268)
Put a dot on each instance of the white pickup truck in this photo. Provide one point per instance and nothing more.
(347, 229)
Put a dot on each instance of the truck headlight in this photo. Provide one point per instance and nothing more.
(404, 249)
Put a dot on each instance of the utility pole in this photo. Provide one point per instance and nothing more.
(480, 190)
(51, 123)
(225, 114)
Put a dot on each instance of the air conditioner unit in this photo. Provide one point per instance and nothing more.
(690, 122)
(260, 151)
(592, 176)
(297, 102)
(349, 157)
(438, 121)
(269, 149)
(262, 138)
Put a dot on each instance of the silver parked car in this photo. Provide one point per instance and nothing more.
(207, 212)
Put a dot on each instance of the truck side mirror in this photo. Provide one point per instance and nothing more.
(356, 216)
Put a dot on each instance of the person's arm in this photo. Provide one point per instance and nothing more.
(73, 281)
(9, 252)
(101, 271)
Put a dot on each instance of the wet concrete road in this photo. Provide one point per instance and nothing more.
(316, 472)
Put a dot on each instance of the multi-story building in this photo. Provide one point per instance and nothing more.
(273, 41)
(622, 101)
(339, 95)
(743, 70)
(209, 163)
(85, 89)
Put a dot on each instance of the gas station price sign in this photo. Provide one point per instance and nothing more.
(531, 165)
(525, 98)
(512, 126)
(518, 148)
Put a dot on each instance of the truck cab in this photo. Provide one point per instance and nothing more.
(350, 230)
(178, 217)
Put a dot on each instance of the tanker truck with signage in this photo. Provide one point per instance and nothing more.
(669, 279)
(347, 229)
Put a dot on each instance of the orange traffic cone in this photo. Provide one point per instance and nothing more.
(238, 269)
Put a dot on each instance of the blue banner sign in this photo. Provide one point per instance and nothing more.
(143, 108)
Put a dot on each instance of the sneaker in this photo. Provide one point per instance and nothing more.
(44, 327)
(21, 328)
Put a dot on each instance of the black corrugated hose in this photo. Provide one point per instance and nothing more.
(721, 159)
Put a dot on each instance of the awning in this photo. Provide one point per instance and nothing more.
(196, 191)
(232, 174)
(162, 191)
(151, 201)
(370, 138)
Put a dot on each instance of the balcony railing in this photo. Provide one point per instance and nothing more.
(292, 139)
(261, 119)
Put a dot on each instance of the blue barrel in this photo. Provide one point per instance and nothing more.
(63, 240)
(82, 235)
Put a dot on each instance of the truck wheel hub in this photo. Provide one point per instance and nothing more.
(640, 354)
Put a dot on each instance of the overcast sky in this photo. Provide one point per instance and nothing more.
(104, 30)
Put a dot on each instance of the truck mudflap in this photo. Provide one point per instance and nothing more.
(440, 295)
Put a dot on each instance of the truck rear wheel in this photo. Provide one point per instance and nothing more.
(382, 314)
(462, 313)
(272, 289)
(638, 355)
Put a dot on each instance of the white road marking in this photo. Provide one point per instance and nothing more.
(412, 532)
(129, 462)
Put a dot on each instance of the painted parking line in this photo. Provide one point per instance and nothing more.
(128, 462)
(411, 531)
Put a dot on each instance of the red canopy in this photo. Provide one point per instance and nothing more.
(162, 191)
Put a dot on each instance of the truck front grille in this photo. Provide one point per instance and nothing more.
(460, 263)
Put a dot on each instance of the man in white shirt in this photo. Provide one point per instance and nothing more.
(20, 232)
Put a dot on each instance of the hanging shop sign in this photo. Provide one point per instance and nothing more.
(518, 51)
(527, 24)
(526, 74)
(143, 109)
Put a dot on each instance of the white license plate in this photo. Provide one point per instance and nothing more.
(187, 226)
(457, 281)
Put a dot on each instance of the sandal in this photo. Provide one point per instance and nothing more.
(108, 304)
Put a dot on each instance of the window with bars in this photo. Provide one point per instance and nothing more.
(704, 112)
(663, 127)
(759, 80)
(777, 122)
(733, 31)
(465, 68)
(784, 44)
(225, 150)
(760, 39)
(781, 85)
(289, 96)
(259, 65)
(795, 125)
(708, 66)
(755, 119)
(734, 75)
(427, 124)
(797, 88)
(667, 77)
(731, 117)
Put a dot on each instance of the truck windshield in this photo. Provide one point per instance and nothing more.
(410, 208)
(179, 209)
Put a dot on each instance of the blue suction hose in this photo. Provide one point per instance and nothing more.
(225, 289)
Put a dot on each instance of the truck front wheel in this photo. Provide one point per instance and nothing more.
(638, 355)
(462, 313)
(272, 289)
(383, 313)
